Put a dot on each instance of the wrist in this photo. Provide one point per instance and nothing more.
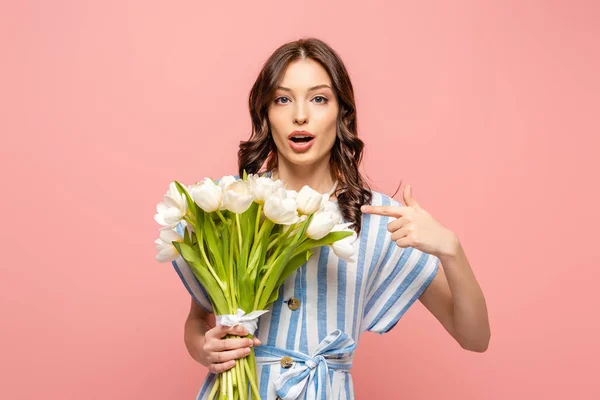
(194, 339)
(451, 248)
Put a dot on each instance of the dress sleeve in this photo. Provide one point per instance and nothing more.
(403, 274)
(191, 283)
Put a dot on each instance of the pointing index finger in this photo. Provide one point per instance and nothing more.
(392, 211)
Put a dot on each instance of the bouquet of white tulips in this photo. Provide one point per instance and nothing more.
(242, 239)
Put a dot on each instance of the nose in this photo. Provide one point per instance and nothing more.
(300, 119)
(300, 116)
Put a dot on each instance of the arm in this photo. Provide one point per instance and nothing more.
(197, 324)
(456, 300)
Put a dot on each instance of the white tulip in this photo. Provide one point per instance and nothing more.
(252, 180)
(223, 183)
(262, 187)
(237, 197)
(172, 209)
(292, 194)
(344, 248)
(309, 200)
(333, 208)
(281, 209)
(207, 195)
(166, 251)
(293, 233)
(226, 181)
(321, 224)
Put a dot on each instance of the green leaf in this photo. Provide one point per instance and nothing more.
(217, 297)
(190, 202)
(273, 274)
(260, 275)
(294, 263)
(187, 236)
(273, 297)
(246, 293)
(225, 247)
(330, 238)
(187, 252)
(200, 270)
(214, 249)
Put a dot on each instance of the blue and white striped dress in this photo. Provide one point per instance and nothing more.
(338, 301)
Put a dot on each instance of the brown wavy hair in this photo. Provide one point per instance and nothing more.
(346, 155)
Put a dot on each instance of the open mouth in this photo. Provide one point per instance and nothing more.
(301, 139)
(301, 143)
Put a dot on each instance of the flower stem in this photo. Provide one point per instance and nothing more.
(215, 388)
(230, 379)
(223, 393)
(242, 385)
(208, 264)
(257, 223)
(239, 229)
(255, 391)
(261, 286)
(221, 216)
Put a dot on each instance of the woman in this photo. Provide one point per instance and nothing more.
(304, 128)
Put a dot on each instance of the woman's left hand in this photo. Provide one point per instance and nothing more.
(415, 227)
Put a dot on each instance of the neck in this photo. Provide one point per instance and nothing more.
(317, 176)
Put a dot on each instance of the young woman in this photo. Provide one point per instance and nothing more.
(304, 129)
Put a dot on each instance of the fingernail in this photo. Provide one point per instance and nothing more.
(363, 208)
(247, 350)
(251, 342)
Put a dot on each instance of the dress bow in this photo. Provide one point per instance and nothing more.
(336, 351)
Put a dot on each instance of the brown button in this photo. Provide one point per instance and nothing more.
(293, 304)
(286, 362)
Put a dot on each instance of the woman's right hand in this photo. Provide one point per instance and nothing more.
(219, 354)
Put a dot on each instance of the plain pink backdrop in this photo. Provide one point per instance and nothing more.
(489, 110)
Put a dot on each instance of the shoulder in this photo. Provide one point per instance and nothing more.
(382, 199)
(377, 225)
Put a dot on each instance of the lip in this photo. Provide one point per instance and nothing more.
(305, 133)
(301, 147)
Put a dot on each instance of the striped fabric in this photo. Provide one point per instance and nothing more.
(338, 302)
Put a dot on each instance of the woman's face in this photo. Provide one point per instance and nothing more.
(304, 101)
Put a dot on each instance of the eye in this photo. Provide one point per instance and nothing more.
(321, 97)
(281, 98)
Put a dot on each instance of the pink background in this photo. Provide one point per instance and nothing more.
(489, 110)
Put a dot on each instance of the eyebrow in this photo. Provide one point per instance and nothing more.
(309, 89)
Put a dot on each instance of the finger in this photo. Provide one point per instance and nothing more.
(398, 223)
(409, 200)
(257, 341)
(224, 356)
(403, 242)
(401, 233)
(239, 330)
(391, 211)
(221, 367)
(220, 331)
(228, 344)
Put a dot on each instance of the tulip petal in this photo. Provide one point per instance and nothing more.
(161, 207)
(167, 255)
(173, 215)
(320, 225)
(170, 236)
